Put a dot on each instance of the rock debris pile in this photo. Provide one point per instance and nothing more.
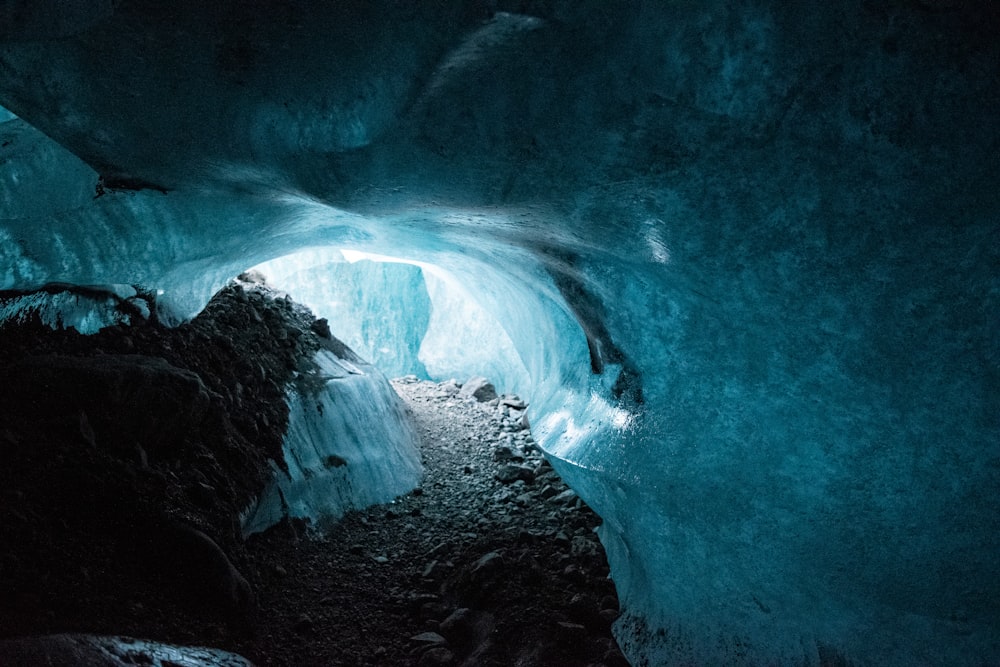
(129, 454)
(492, 561)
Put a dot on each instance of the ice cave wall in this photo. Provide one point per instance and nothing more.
(348, 445)
(772, 227)
(405, 318)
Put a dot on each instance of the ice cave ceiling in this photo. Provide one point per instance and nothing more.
(748, 254)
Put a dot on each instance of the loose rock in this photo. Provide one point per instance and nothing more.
(478, 388)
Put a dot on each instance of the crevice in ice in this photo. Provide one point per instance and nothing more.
(590, 312)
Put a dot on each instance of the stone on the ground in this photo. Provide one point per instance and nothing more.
(567, 496)
(511, 473)
(513, 402)
(459, 624)
(488, 563)
(478, 388)
(450, 387)
(437, 657)
(431, 638)
(507, 453)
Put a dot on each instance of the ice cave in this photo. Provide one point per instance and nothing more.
(743, 258)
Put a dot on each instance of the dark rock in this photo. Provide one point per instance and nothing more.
(511, 473)
(582, 609)
(303, 624)
(488, 563)
(574, 574)
(437, 657)
(459, 625)
(548, 491)
(429, 638)
(507, 453)
(321, 328)
(432, 610)
(608, 616)
(513, 402)
(582, 547)
(567, 496)
(614, 658)
(570, 631)
(177, 552)
(478, 388)
(107, 388)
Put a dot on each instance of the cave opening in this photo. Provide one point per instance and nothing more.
(475, 541)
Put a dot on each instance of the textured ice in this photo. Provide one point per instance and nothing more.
(406, 318)
(380, 310)
(746, 254)
(349, 444)
(88, 309)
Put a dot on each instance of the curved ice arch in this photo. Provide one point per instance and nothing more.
(406, 317)
(787, 209)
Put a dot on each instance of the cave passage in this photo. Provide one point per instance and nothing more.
(743, 254)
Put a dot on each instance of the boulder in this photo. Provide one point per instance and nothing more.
(478, 388)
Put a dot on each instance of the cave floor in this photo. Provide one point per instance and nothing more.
(502, 573)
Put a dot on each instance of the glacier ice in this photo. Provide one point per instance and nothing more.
(745, 255)
(86, 308)
(348, 445)
(406, 318)
(380, 310)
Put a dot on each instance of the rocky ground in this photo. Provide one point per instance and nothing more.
(493, 561)
(129, 454)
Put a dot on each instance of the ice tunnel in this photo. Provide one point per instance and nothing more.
(745, 258)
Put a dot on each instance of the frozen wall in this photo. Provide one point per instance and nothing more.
(88, 308)
(349, 445)
(406, 318)
(380, 310)
(746, 253)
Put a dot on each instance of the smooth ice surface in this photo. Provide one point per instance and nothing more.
(349, 444)
(746, 254)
